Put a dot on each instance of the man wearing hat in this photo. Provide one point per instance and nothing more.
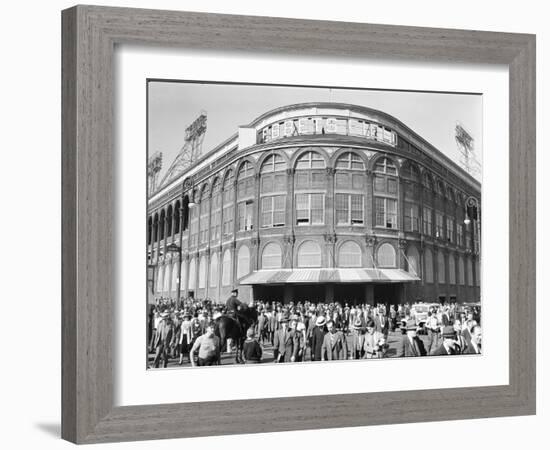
(285, 346)
(334, 344)
(317, 337)
(448, 347)
(233, 303)
(357, 340)
(411, 344)
(162, 341)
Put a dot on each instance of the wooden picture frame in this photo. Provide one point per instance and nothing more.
(89, 37)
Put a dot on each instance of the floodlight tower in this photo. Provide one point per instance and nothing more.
(465, 143)
(191, 150)
(154, 166)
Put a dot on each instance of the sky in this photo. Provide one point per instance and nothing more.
(175, 105)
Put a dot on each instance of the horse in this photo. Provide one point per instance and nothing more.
(229, 327)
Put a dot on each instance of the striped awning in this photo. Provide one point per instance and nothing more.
(308, 276)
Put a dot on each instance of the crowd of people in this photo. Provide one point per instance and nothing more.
(311, 331)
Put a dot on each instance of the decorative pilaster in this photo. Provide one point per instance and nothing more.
(329, 218)
(289, 202)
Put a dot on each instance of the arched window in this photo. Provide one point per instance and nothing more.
(413, 261)
(214, 270)
(202, 272)
(162, 222)
(310, 160)
(245, 195)
(243, 261)
(273, 163)
(461, 277)
(310, 206)
(273, 180)
(410, 172)
(386, 255)
(194, 222)
(183, 274)
(428, 266)
(169, 219)
(226, 268)
(469, 271)
(160, 278)
(228, 204)
(350, 161)
(440, 267)
(385, 193)
(309, 254)
(349, 255)
(386, 166)
(204, 213)
(177, 213)
(452, 270)
(350, 186)
(192, 273)
(166, 284)
(271, 256)
(216, 214)
(245, 180)
(175, 278)
(156, 228)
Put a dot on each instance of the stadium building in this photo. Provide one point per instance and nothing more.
(319, 202)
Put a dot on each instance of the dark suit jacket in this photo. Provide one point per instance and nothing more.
(470, 349)
(440, 351)
(285, 345)
(406, 349)
(337, 350)
(164, 334)
(317, 337)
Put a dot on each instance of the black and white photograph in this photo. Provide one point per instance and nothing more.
(298, 224)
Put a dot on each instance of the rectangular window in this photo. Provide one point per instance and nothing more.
(273, 211)
(386, 212)
(244, 212)
(379, 183)
(450, 229)
(310, 209)
(427, 221)
(342, 209)
(411, 217)
(349, 209)
(392, 186)
(459, 235)
(228, 220)
(439, 225)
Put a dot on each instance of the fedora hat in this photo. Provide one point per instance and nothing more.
(411, 324)
(320, 321)
(358, 324)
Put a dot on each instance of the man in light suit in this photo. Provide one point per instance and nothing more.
(334, 344)
(411, 344)
(285, 343)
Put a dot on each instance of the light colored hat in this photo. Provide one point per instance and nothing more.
(358, 324)
(411, 324)
(320, 321)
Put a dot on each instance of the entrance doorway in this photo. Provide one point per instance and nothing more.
(314, 293)
(351, 293)
(268, 293)
(389, 293)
